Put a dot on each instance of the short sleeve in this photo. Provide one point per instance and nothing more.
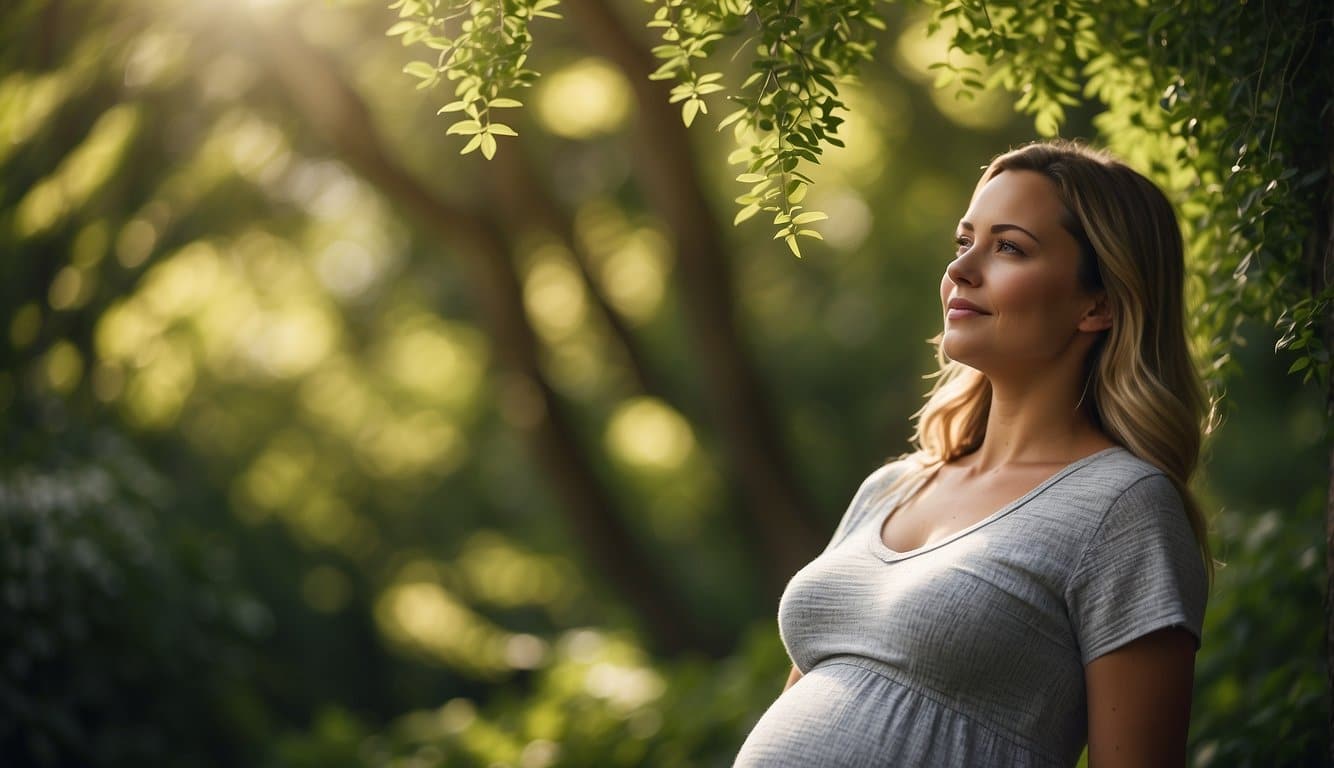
(1141, 572)
(870, 496)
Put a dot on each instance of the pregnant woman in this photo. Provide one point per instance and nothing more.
(1032, 578)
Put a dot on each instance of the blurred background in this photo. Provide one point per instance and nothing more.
(323, 445)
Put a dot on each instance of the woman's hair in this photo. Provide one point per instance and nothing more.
(1142, 389)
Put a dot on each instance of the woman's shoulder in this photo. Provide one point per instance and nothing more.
(1110, 474)
(894, 469)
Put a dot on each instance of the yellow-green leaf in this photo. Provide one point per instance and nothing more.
(488, 146)
(420, 69)
(464, 128)
(745, 213)
(809, 216)
(689, 110)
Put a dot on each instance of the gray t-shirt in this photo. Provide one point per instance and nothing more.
(971, 651)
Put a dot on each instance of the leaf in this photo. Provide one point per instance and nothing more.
(791, 241)
(473, 144)
(745, 213)
(689, 110)
(488, 146)
(503, 103)
(809, 216)
(751, 178)
(500, 129)
(401, 27)
(421, 69)
(464, 128)
(1299, 365)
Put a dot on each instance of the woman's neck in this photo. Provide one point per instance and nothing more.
(1041, 421)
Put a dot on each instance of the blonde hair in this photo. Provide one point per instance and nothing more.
(1143, 389)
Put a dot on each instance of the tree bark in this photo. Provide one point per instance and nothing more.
(529, 199)
(781, 516)
(331, 108)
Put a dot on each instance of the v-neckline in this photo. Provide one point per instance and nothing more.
(882, 551)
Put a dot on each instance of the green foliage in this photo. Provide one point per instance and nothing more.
(119, 649)
(481, 46)
(789, 100)
(242, 311)
(599, 700)
(1194, 95)
(1260, 698)
(1220, 102)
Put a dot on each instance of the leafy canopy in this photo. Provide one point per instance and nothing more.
(1217, 101)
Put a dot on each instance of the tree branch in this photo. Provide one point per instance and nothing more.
(529, 199)
(780, 514)
(330, 106)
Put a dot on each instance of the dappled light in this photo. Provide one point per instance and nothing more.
(80, 174)
(332, 438)
(648, 435)
(499, 573)
(423, 617)
(583, 99)
(919, 53)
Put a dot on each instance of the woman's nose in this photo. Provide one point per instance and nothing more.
(962, 271)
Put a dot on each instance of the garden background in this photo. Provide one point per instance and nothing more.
(322, 444)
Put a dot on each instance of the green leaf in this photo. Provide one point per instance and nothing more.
(745, 213)
(689, 110)
(488, 146)
(500, 129)
(809, 216)
(473, 144)
(791, 241)
(1300, 365)
(503, 103)
(401, 27)
(421, 69)
(464, 128)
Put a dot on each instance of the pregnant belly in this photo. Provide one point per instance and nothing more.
(843, 715)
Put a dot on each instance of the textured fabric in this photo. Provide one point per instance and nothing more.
(971, 651)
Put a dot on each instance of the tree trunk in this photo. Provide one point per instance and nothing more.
(331, 108)
(781, 517)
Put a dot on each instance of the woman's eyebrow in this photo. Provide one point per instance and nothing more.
(997, 228)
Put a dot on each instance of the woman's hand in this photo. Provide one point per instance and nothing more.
(1139, 701)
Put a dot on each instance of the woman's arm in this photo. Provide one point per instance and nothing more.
(792, 678)
(1139, 701)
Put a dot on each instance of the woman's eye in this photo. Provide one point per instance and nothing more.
(961, 241)
(1008, 247)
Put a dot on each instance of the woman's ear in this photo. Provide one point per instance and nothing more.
(1098, 317)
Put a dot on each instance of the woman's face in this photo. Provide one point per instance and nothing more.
(1011, 295)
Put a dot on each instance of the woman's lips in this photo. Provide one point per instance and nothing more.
(960, 309)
